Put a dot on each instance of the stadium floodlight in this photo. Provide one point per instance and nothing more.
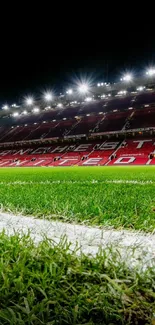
(140, 88)
(83, 88)
(5, 107)
(69, 92)
(15, 114)
(29, 101)
(59, 105)
(122, 92)
(88, 99)
(128, 77)
(36, 109)
(150, 72)
(48, 96)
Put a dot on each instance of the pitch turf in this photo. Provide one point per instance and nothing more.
(49, 285)
(109, 196)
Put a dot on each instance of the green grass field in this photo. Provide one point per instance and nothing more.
(50, 285)
(109, 196)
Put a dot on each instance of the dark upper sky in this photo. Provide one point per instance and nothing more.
(52, 48)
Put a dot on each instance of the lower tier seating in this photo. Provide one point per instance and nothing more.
(125, 152)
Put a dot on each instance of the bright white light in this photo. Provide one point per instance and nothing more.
(36, 110)
(59, 105)
(127, 77)
(98, 85)
(75, 102)
(150, 72)
(109, 95)
(48, 107)
(64, 119)
(5, 107)
(88, 99)
(140, 88)
(48, 96)
(25, 112)
(15, 114)
(103, 96)
(13, 105)
(101, 83)
(122, 92)
(69, 91)
(83, 88)
(29, 101)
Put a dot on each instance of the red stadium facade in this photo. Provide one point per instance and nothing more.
(107, 153)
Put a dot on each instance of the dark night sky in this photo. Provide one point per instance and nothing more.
(49, 50)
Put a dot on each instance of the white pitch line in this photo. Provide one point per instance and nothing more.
(93, 181)
(89, 239)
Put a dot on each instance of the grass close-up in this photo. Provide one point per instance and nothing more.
(47, 284)
(47, 281)
(110, 196)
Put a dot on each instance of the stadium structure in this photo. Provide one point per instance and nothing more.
(77, 244)
(99, 125)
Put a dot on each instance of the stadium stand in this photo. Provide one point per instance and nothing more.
(124, 152)
(80, 133)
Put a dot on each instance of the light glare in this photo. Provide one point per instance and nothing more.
(5, 107)
(69, 91)
(83, 88)
(36, 110)
(48, 96)
(127, 77)
(29, 101)
(15, 114)
(150, 72)
(88, 99)
(122, 92)
(140, 88)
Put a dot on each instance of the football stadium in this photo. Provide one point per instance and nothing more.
(77, 196)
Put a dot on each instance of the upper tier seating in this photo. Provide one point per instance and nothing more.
(143, 99)
(143, 118)
(113, 122)
(106, 115)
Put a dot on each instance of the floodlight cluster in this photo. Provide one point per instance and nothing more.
(83, 89)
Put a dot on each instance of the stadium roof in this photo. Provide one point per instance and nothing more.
(83, 92)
